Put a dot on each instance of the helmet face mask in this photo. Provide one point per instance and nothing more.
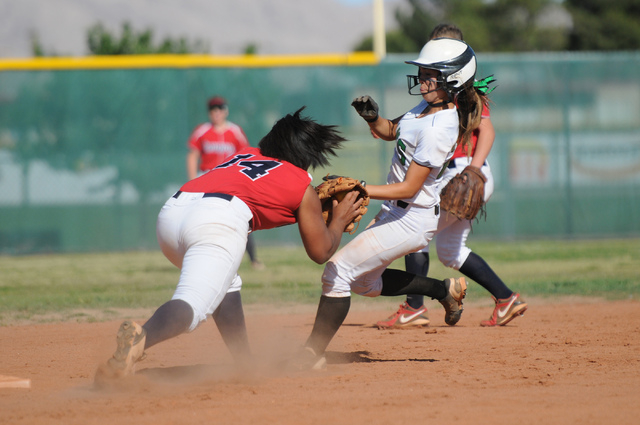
(455, 60)
(413, 84)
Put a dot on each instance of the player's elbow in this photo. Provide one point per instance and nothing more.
(406, 192)
(318, 257)
(320, 252)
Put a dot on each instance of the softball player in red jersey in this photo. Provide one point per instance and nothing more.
(211, 143)
(425, 138)
(215, 145)
(210, 234)
(203, 228)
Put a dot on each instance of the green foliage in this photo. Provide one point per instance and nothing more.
(418, 22)
(604, 25)
(36, 45)
(101, 42)
(251, 49)
(519, 25)
(501, 25)
(397, 42)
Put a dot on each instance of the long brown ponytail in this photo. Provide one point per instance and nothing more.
(470, 103)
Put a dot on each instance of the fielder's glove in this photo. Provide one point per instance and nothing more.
(463, 196)
(366, 107)
(336, 187)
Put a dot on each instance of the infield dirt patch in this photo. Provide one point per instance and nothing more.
(561, 363)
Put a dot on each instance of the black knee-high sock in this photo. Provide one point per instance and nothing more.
(330, 316)
(418, 264)
(251, 248)
(229, 317)
(478, 270)
(169, 320)
(398, 282)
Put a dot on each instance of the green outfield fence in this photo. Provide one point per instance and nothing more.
(90, 148)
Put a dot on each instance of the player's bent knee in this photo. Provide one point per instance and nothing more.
(366, 292)
(367, 288)
(447, 258)
(449, 261)
(199, 315)
(197, 319)
(333, 282)
(453, 259)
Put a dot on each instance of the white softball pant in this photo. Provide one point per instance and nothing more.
(451, 236)
(359, 265)
(205, 237)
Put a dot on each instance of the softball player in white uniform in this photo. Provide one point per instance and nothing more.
(451, 236)
(451, 245)
(425, 138)
(404, 226)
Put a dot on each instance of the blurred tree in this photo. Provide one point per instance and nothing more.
(498, 25)
(36, 46)
(251, 49)
(604, 25)
(523, 25)
(414, 27)
(397, 42)
(101, 42)
(416, 23)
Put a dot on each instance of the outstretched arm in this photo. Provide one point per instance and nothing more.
(367, 108)
(384, 128)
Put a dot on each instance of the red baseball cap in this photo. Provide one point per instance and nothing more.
(217, 102)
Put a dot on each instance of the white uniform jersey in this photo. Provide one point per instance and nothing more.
(428, 141)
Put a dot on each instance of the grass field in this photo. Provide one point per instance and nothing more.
(99, 286)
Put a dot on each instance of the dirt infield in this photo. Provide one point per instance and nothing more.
(562, 363)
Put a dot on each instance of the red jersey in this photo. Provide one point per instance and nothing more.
(271, 188)
(215, 146)
(461, 151)
(197, 133)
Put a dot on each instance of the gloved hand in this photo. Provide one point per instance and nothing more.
(366, 107)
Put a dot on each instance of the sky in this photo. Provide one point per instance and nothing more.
(227, 26)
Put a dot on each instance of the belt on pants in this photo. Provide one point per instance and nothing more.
(404, 205)
(210, 195)
(452, 164)
(224, 196)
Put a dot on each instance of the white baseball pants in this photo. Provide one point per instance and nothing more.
(359, 265)
(206, 239)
